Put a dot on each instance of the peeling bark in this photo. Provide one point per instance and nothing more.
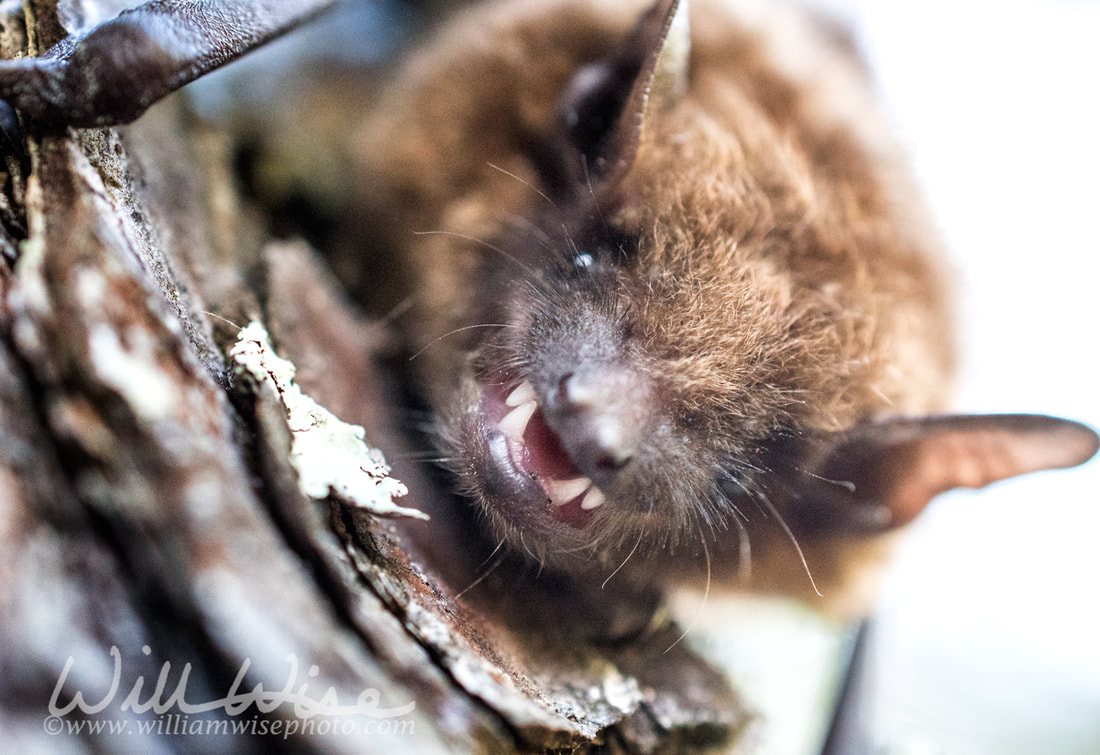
(148, 504)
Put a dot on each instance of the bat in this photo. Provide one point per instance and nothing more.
(680, 308)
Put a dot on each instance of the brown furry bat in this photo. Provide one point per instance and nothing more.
(677, 301)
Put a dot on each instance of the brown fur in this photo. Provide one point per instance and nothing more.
(785, 282)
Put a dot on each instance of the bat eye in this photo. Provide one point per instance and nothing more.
(607, 253)
(584, 261)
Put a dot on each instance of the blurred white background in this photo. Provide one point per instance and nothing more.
(989, 635)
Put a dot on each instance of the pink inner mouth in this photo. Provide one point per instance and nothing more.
(536, 451)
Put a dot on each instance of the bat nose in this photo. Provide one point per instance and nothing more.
(600, 412)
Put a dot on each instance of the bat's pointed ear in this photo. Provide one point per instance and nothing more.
(882, 474)
(604, 109)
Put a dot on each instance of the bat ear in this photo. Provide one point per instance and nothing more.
(882, 474)
(603, 110)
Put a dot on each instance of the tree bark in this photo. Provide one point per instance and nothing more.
(157, 555)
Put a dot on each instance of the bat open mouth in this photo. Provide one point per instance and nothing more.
(531, 449)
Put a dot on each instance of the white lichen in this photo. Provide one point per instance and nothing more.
(329, 455)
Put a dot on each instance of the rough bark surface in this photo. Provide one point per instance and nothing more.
(152, 529)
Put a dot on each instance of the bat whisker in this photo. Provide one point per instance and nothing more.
(702, 604)
(483, 576)
(528, 184)
(464, 328)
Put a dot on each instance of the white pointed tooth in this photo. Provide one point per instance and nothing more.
(522, 393)
(593, 498)
(562, 492)
(515, 422)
